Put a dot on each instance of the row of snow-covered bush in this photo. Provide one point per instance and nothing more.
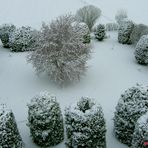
(130, 119)
(18, 39)
(136, 34)
(84, 123)
(130, 33)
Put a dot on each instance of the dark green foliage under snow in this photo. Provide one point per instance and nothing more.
(22, 38)
(9, 134)
(83, 30)
(141, 52)
(87, 38)
(100, 32)
(45, 120)
(85, 125)
(132, 104)
(5, 32)
(124, 32)
(140, 135)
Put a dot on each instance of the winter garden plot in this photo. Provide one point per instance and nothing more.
(85, 88)
(111, 83)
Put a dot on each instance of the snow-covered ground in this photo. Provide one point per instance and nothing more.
(112, 68)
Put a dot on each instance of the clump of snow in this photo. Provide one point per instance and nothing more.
(5, 32)
(9, 134)
(85, 124)
(132, 104)
(45, 120)
(22, 38)
(124, 32)
(140, 136)
(141, 52)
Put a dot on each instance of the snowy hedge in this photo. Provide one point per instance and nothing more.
(140, 136)
(85, 125)
(138, 31)
(100, 32)
(132, 104)
(9, 134)
(141, 52)
(5, 32)
(83, 30)
(22, 38)
(89, 15)
(60, 51)
(124, 32)
(45, 120)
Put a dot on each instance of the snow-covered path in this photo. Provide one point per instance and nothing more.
(112, 69)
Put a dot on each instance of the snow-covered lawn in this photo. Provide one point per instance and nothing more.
(112, 69)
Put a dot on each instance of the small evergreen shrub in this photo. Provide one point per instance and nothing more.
(22, 38)
(100, 32)
(9, 134)
(132, 104)
(5, 32)
(140, 136)
(85, 125)
(141, 52)
(45, 120)
(124, 32)
(83, 30)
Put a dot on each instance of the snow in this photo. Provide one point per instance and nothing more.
(112, 68)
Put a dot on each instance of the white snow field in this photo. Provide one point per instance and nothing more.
(112, 68)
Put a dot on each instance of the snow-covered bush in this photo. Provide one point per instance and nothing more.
(120, 16)
(124, 32)
(100, 32)
(88, 14)
(141, 52)
(85, 125)
(132, 104)
(83, 30)
(45, 120)
(60, 51)
(5, 32)
(22, 38)
(140, 135)
(138, 31)
(111, 27)
(9, 134)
